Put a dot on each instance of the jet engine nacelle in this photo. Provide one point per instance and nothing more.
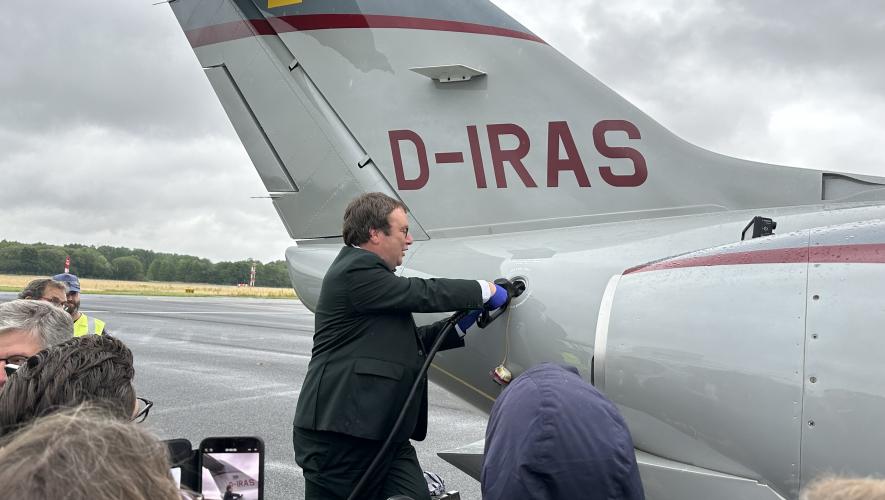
(765, 352)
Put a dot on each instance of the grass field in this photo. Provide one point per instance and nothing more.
(14, 283)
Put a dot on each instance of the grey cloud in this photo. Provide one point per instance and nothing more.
(111, 134)
(110, 187)
(124, 65)
(716, 72)
(741, 38)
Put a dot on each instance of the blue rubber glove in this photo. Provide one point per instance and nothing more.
(498, 299)
(468, 320)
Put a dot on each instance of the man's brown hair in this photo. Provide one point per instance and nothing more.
(84, 452)
(366, 212)
(37, 288)
(94, 368)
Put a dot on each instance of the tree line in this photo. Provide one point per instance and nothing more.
(121, 263)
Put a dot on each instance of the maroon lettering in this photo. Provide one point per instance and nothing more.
(640, 169)
(478, 169)
(423, 170)
(514, 156)
(558, 132)
(456, 157)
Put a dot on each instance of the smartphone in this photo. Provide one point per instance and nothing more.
(183, 460)
(232, 468)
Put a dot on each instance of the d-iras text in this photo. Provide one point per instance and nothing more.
(563, 157)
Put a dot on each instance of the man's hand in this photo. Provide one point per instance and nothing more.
(498, 299)
(495, 304)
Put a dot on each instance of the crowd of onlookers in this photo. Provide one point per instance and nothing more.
(68, 408)
(69, 415)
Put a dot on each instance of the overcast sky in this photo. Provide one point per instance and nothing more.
(111, 134)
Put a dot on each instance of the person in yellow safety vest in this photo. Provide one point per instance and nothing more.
(83, 325)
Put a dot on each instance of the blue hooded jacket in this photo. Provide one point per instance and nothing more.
(553, 436)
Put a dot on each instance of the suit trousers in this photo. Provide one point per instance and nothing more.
(333, 464)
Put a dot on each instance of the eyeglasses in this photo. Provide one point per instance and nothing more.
(54, 301)
(404, 230)
(142, 414)
(18, 359)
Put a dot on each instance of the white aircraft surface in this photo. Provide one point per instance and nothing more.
(745, 368)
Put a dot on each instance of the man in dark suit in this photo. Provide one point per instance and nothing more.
(366, 354)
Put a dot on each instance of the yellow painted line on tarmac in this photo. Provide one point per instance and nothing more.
(463, 382)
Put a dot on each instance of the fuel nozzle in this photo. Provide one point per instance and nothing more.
(514, 288)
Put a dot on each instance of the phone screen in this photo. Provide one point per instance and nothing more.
(232, 468)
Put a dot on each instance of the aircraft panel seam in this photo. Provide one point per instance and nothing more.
(808, 267)
(463, 382)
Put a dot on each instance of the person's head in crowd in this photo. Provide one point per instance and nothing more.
(845, 488)
(72, 296)
(27, 327)
(83, 452)
(95, 368)
(46, 289)
(378, 223)
(552, 435)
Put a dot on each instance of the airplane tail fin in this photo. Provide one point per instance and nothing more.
(473, 121)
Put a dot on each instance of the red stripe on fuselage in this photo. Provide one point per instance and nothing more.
(871, 253)
(859, 254)
(228, 31)
(308, 22)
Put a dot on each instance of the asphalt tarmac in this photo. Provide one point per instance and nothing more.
(233, 367)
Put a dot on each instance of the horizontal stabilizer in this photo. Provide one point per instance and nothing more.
(467, 458)
(661, 478)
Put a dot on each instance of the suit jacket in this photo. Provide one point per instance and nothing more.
(367, 350)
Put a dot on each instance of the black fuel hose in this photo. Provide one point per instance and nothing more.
(514, 289)
(450, 323)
